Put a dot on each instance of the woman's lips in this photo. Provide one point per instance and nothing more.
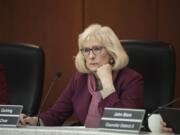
(93, 63)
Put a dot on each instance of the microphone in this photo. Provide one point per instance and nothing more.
(55, 78)
(163, 106)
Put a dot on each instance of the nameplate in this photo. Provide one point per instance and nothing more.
(121, 119)
(9, 115)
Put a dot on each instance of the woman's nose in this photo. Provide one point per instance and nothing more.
(91, 54)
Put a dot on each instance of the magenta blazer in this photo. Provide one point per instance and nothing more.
(76, 97)
(4, 98)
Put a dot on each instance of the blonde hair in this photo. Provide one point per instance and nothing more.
(106, 36)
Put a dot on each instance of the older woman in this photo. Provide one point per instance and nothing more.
(102, 80)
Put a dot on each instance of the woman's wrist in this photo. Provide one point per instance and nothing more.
(106, 91)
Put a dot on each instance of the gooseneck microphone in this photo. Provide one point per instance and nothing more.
(163, 106)
(55, 78)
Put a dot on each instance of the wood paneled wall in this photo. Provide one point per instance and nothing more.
(54, 25)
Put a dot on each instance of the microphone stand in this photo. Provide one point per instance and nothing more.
(57, 76)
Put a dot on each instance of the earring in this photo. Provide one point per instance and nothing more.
(111, 61)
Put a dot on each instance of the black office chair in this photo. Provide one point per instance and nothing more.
(156, 62)
(24, 69)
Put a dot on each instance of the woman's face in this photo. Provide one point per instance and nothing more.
(95, 55)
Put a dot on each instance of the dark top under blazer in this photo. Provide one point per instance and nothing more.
(76, 97)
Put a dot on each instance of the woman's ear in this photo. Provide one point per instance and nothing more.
(111, 61)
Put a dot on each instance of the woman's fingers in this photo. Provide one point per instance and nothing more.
(165, 128)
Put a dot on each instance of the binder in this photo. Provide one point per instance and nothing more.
(172, 117)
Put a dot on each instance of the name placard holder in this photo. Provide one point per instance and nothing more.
(122, 120)
(9, 115)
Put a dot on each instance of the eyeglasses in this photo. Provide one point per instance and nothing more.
(95, 51)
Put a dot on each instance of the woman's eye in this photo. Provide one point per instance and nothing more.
(86, 49)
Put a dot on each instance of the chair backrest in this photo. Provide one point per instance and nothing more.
(24, 69)
(155, 61)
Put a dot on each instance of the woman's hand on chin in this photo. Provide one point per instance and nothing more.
(104, 73)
